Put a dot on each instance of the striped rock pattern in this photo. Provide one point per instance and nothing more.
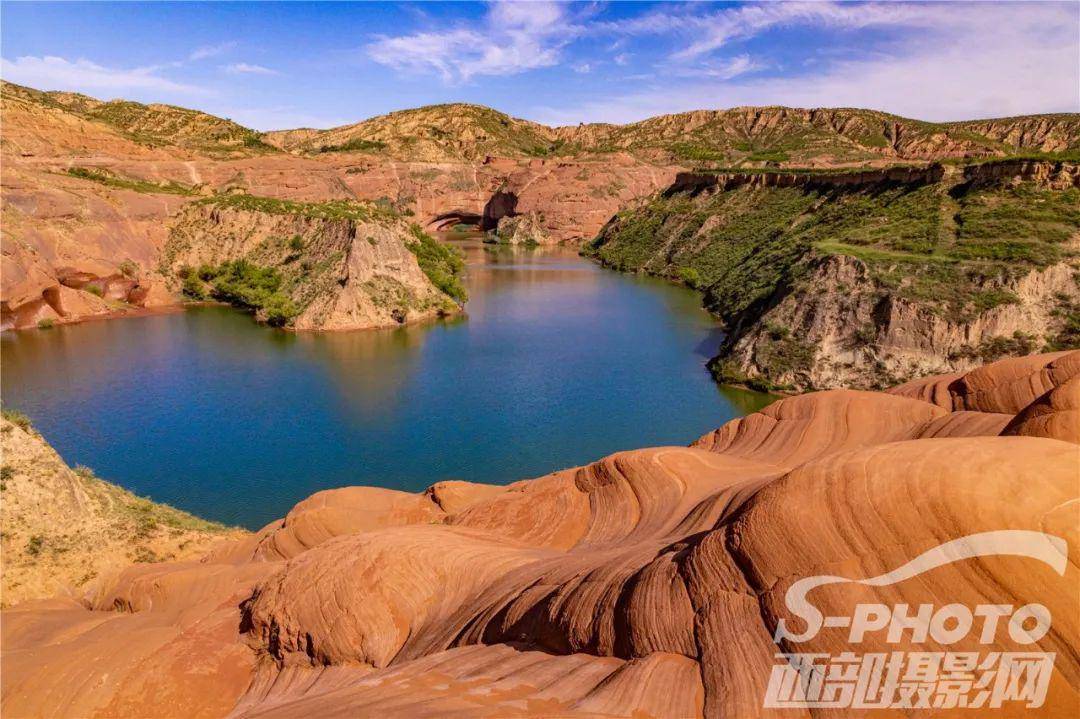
(647, 584)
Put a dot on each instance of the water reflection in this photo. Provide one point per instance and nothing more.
(557, 363)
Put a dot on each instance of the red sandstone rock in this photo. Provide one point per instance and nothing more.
(649, 583)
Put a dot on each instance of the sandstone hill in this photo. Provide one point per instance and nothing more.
(97, 195)
(741, 136)
(867, 278)
(65, 529)
(327, 266)
(647, 584)
(152, 125)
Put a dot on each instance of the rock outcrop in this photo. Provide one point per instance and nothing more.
(649, 583)
(866, 278)
(342, 265)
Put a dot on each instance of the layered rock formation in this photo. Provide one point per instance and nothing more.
(343, 265)
(649, 583)
(89, 186)
(867, 278)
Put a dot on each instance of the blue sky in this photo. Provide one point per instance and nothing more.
(279, 65)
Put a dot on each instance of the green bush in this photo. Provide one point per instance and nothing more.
(46, 324)
(441, 263)
(129, 269)
(296, 243)
(17, 418)
(94, 290)
(193, 287)
(35, 545)
(690, 277)
(243, 284)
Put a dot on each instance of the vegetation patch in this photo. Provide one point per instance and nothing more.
(354, 145)
(242, 284)
(17, 418)
(329, 210)
(442, 264)
(104, 177)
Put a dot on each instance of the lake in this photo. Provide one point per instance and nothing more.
(558, 363)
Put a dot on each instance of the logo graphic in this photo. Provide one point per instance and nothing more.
(910, 679)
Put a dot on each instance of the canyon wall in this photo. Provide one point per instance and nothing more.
(867, 278)
(649, 583)
(89, 188)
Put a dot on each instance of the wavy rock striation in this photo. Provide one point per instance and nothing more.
(649, 583)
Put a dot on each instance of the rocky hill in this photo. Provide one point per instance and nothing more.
(434, 133)
(738, 137)
(65, 530)
(152, 125)
(337, 265)
(652, 582)
(868, 278)
(94, 192)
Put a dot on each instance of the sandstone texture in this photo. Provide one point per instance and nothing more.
(647, 584)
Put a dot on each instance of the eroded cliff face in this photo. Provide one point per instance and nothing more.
(840, 328)
(352, 269)
(865, 278)
(648, 583)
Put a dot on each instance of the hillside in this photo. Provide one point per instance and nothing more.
(435, 132)
(652, 582)
(867, 279)
(152, 125)
(743, 136)
(65, 528)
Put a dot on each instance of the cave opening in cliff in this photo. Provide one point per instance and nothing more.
(456, 221)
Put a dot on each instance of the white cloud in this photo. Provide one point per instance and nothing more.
(243, 68)
(56, 73)
(515, 37)
(622, 58)
(583, 68)
(206, 51)
(943, 62)
(723, 69)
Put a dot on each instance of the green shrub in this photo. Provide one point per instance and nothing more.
(690, 277)
(193, 287)
(441, 263)
(46, 324)
(243, 284)
(94, 290)
(17, 418)
(129, 269)
(296, 243)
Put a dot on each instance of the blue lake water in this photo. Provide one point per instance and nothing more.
(558, 363)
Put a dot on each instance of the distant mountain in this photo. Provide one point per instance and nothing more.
(152, 125)
(743, 136)
(737, 137)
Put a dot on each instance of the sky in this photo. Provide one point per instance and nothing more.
(282, 65)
